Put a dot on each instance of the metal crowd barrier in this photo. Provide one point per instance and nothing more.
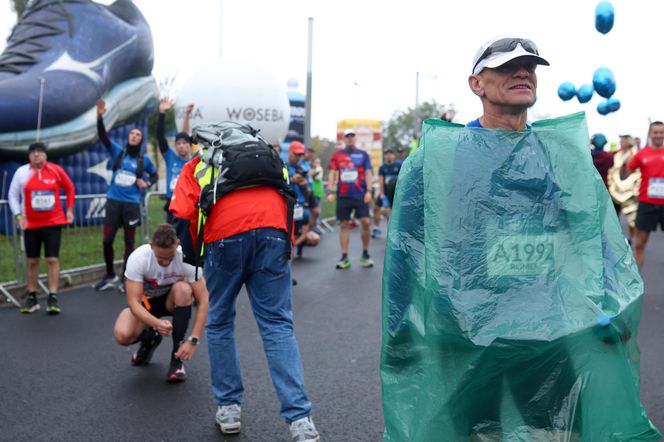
(81, 248)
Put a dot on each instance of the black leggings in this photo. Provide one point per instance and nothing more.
(109, 236)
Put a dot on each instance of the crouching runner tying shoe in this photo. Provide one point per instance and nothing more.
(160, 284)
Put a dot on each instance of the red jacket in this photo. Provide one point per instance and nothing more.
(239, 211)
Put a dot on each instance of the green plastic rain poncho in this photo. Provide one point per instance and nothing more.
(511, 300)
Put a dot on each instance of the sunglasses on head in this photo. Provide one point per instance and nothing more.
(507, 45)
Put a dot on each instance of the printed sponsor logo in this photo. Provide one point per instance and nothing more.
(97, 208)
(251, 114)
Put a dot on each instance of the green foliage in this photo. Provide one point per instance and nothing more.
(19, 6)
(398, 130)
(324, 149)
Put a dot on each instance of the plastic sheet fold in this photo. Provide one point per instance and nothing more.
(511, 299)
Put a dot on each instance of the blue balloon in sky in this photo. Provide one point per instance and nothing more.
(566, 91)
(613, 104)
(603, 108)
(585, 93)
(604, 15)
(604, 82)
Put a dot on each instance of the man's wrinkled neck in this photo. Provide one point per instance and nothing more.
(501, 120)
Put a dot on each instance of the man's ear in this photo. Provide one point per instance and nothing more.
(475, 83)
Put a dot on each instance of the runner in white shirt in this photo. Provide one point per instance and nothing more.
(160, 284)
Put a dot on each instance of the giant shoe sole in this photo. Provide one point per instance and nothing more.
(126, 102)
(60, 58)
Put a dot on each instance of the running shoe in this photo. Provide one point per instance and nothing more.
(64, 55)
(52, 304)
(228, 418)
(304, 430)
(106, 283)
(122, 287)
(143, 355)
(376, 233)
(31, 304)
(366, 261)
(344, 263)
(176, 372)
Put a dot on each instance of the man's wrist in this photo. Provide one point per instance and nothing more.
(193, 340)
(18, 217)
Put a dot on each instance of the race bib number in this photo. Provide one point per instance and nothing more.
(43, 200)
(125, 179)
(348, 175)
(174, 180)
(528, 255)
(298, 213)
(656, 188)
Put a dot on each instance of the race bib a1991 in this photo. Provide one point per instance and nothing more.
(521, 255)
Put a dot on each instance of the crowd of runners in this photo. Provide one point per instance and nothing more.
(158, 279)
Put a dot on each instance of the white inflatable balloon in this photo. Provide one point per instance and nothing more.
(236, 92)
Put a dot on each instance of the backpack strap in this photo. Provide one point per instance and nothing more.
(200, 247)
(118, 160)
(139, 165)
(290, 201)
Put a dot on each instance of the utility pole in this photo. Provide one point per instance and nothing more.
(307, 99)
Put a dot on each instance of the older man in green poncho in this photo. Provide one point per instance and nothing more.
(511, 300)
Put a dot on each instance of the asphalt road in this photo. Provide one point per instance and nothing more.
(63, 378)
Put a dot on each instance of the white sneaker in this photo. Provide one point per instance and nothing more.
(228, 418)
(304, 430)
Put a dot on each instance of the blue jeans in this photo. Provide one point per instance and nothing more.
(256, 258)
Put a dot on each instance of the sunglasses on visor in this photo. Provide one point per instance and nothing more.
(507, 45)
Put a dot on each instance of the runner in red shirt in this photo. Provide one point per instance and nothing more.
(34, 199)
(650, 160)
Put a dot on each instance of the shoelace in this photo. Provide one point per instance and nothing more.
(302, 425)
(29, 37)
(231, 412)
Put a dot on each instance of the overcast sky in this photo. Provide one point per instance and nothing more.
(367, 53)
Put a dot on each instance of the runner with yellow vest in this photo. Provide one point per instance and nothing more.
(247, 240)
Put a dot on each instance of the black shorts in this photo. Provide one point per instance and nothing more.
(119, 214)
(50, 236)
(345, 206)
(378, 201)
(648, 216)
(158, 306)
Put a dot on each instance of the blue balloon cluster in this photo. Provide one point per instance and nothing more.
(604, 82)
